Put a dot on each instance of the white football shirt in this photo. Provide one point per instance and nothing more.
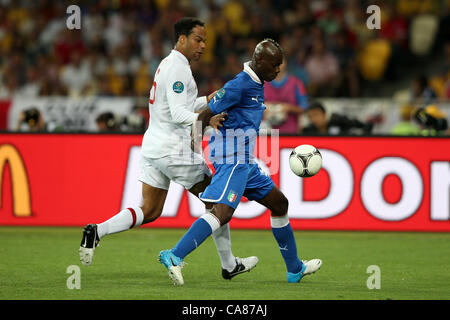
(173, 100)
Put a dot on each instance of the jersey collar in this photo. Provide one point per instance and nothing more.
(180, 56)
(251, 73)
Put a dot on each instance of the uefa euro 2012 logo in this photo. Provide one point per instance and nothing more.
(178, 87)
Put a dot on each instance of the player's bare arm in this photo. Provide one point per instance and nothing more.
(205, 118)
(212, 95)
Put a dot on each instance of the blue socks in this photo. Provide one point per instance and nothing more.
(284, 235)
(203, 227)
(197, 233)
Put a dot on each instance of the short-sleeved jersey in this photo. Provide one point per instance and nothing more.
(173, 100)
(290, 90)
(242, 98)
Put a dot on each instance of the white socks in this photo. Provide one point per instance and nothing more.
(124, 220)
(223, 244)
(221, 236)
(133, 217)
(212, 220)
(279, 222)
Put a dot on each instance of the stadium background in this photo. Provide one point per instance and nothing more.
(96, 79)
(77, 162)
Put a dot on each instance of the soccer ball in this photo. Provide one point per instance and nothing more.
(305, 161)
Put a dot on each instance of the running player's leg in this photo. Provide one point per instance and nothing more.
(152, 202)
(199, 231)
(222, 239)
(221, 236)
(231, 266)
(225, 191)
(202, 228)
(261, 188)
(154, 191)
(278, 204)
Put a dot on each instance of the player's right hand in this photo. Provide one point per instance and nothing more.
(216, 121)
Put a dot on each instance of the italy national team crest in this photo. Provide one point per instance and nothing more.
(231, 196)
(178, 87)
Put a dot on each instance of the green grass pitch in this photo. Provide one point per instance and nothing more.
(34, 262)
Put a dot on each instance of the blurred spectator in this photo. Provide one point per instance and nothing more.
(32, 85)
(423, 31)
(329, 20)
(432, 120)
(348, 79)
(447, 56)
(135, 122)
(374, 58)
(405, 127)
(107, 122)
(76, 75)
(354, 17)
(289, 94)
(116, 52)
(31, 120)
(438, 83)
(9, 85)
(395, 30)
(68, 44)
(300, 15)
(296, 65)
(445, 76)
(395, 26)
(50, 87)
(322, 67)
(236, 13)
(336, 124)
(103, 87)
(421, 93)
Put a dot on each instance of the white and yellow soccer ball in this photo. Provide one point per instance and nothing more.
(305, 161)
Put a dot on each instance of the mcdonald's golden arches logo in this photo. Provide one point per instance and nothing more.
(19, 180)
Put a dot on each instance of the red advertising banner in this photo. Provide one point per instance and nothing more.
(366, 183)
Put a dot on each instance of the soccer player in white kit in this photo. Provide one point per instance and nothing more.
(166, 154)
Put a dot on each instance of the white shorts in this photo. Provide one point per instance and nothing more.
(158, 172)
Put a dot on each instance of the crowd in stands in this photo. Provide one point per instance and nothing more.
(327, 44)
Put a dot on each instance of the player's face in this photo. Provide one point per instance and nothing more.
(270, 66)
(196, 43)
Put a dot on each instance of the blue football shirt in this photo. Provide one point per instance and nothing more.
(242, 98)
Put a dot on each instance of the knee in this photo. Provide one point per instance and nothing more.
(225, 220)
(282, 207)
(224, 216)
(150, 214)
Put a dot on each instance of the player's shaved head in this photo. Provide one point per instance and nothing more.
(267, 47)
(267, 58)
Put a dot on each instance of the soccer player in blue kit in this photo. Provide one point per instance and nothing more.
(237, 174)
